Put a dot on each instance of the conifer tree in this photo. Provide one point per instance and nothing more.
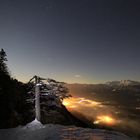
(3, 59)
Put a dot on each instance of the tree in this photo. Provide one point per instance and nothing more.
(12, 97)
(3, 66)
(47, 95)
(58, 89)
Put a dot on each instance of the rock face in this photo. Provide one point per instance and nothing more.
(53, 111)
(60, 115)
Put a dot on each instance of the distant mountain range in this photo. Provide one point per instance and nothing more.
(123, 83)
(115, 91)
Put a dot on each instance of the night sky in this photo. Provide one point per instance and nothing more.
(75, 41)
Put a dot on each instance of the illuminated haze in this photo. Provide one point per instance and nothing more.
(76, 41)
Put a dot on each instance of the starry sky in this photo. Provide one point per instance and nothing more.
(75, 41)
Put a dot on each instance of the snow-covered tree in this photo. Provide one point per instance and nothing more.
(47, 93)
(58, 89)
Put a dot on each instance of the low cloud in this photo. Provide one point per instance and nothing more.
(77, 76)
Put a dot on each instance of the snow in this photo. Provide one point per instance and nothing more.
(36, 131)
(39, 84)
(34, 125)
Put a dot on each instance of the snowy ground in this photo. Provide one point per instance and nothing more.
(36, 131)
